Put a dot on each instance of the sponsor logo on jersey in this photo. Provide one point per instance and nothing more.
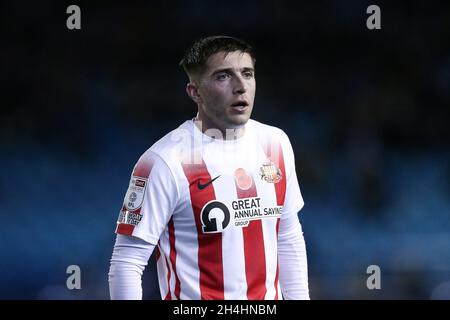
(139, 183)
(216, 216)
(270, 172)
(202, 186)
(248, 209)
(128, 217)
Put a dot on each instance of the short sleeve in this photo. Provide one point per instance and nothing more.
(150, 199)
(293, 201)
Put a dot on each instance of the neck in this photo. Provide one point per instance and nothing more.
(214, 132)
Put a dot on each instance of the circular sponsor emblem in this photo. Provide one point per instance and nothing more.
(215, 217)
(243, 180)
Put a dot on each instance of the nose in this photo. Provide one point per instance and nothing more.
(239, 85)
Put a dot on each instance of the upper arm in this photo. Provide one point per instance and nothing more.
(150, 199)
(293, 202)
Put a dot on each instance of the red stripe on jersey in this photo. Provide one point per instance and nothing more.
(274, 152)
(173, 257)
(168, 296)
(126, 229)
(158, 253)
(280, 187)
(142, 169)
(255, 258)
(144, 165)
(210, 260)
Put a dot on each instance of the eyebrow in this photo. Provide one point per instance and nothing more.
(229, 70)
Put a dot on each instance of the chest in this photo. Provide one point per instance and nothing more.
(232, 187)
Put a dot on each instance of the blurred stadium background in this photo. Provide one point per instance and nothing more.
(367, 113)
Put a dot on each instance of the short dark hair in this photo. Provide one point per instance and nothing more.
(195, 57)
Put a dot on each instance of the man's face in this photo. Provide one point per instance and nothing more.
(227, 90)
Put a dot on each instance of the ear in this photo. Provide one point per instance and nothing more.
(192, 92)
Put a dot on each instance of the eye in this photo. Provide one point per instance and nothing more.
(247, 74)
(222, 76)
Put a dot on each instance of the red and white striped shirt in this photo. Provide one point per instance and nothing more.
(213, 209)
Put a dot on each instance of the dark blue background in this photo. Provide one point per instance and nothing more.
(366, 111)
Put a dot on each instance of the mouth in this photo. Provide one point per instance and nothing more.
(239, 105)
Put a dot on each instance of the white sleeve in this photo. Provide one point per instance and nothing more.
(292, 260)
(150, 200)
(129, 258)
(293, 201)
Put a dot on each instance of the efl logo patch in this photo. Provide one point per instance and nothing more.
(135, 194)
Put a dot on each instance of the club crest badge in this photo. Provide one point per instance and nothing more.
(270, 172)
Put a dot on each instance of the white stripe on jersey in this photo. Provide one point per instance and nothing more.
(186, 245)
(162, 274)
(165, 251)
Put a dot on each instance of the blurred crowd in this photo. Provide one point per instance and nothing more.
(366, 111)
